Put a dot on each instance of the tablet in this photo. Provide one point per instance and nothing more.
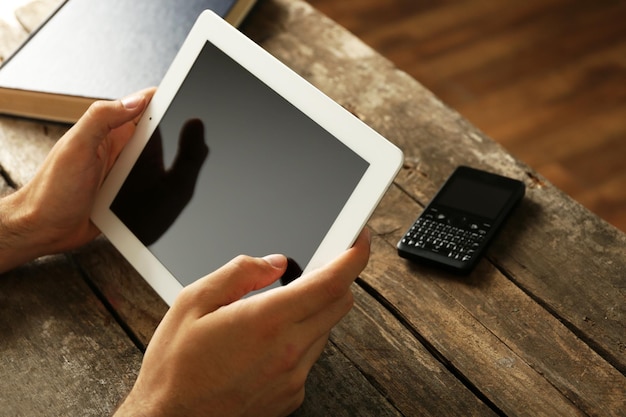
(237, 154)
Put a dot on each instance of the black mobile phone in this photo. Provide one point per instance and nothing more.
(458, 224)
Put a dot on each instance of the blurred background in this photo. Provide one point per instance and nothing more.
(545, 78)
(7, 7)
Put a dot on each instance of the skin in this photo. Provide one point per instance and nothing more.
(37, 219)
(215, 353)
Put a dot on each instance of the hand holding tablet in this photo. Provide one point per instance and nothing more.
(265, 164)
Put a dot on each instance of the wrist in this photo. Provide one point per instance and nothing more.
(17, 238)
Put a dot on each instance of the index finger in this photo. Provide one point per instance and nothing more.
(322, 287)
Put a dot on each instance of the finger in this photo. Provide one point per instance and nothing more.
(322, 321)
(320, 289)
(148, 93)
(232, 281)
(104, 116)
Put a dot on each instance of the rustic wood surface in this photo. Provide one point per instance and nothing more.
(537, 329)
(546, 79)
(62, 352)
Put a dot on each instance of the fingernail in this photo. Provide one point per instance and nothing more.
(277, 261)
(132, 101)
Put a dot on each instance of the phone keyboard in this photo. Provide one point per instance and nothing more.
(457, 239)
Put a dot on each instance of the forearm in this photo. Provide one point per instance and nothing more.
(18, 243)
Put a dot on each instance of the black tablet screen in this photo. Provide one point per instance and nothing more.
(250, 174)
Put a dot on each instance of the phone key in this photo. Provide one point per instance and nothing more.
(434, 232)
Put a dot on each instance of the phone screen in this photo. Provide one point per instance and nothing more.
(474, 197)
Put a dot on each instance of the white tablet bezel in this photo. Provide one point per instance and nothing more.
(383, 157)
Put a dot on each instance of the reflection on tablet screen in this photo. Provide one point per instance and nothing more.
(233, 168)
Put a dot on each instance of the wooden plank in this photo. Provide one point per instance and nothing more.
(396, 362)
(473, 350)
(552, 99)
(24, 145)
(609, 199)
(402, 29)
(136, 304)
(571, 141)
(336, 388)
(549, 51)
(533, 334)
(62, 352)
(538, 36)
(592, 170)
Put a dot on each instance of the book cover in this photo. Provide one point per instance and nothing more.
(92, 49)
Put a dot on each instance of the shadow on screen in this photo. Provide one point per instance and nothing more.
(152, 196)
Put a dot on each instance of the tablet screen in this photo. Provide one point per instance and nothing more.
(249, 174)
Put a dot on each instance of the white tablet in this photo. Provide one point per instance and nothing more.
(237, 154)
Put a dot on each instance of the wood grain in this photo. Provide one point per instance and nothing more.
(62, 352)
(530, 253)
(547, 79)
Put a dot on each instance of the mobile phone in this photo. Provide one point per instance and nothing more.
(458, 224)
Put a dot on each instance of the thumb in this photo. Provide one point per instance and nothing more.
(232, 281)
(104, 116)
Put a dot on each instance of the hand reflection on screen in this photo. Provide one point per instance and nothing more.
(153, 197)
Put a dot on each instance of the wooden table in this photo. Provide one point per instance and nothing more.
(539, 328)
